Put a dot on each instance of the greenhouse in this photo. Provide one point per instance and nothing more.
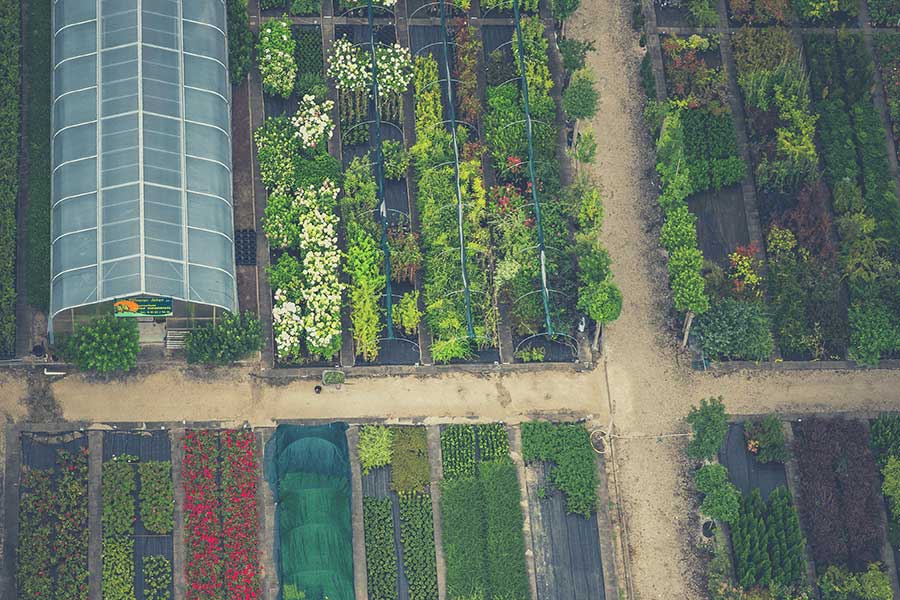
(141, 158)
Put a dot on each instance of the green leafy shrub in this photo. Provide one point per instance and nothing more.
(156, 496)
(568, 448)
(410, 470)
(376, 446)
(230, 339)
(363, 264)
(458, 451)
(837, 583)
(406, 256)
(396, 159)
(105, 345)
(157, 578)
(824, 10)
(240, 41)
(533, 354)
(118, 516)
(574, 53)
(736, 330)
(709, 425)
(581, 98)
(305, 7)
(417, 537)
(765, 439)
(885, 438)
(408, 315)
(721, 500)
(493, 443)
(703, 13)
(381, 560)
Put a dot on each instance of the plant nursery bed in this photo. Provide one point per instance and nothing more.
(838, 494)
(308, 471)
(744, 471)
(52, 551)
(721, 222)
(481, 510)
(565, 531)
(376, 485)
(566, 546)
(220, 475)
(137, 484)
(671, 15)
(397, 514)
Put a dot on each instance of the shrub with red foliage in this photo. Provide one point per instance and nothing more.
(810, 220)
(465, 71)
(221, 519)
(839, 492)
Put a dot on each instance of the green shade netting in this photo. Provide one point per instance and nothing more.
(308, 469)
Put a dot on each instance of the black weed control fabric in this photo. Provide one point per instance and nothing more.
(744, 471)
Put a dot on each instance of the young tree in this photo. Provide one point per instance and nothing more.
(709, 424)
(688, 285)
(721, 499)
(581, 98)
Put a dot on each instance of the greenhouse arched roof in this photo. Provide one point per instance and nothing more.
(141, 153)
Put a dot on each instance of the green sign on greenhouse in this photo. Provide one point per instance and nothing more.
(143, 306)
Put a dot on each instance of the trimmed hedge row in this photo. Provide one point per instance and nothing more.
(9, 169)
(37, 115)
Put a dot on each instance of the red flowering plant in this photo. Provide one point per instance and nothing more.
(222, 519)
(201, 508)
(240, 519)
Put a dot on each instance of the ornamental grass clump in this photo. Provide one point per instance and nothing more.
(277, 63)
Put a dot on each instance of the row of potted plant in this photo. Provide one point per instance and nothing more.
(452, 200)
(240, 518)
(301, 225)
(221, 514)
(118, 486)
(51, 559)
(202, 510)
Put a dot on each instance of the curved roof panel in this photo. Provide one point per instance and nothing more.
(141, 152)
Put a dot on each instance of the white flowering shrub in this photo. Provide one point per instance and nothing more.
(288, 325)
(312, 122)
(307, 300)
(320, 292)
(348, 66)
(351, 67)
(277, 63)
(395, 69)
